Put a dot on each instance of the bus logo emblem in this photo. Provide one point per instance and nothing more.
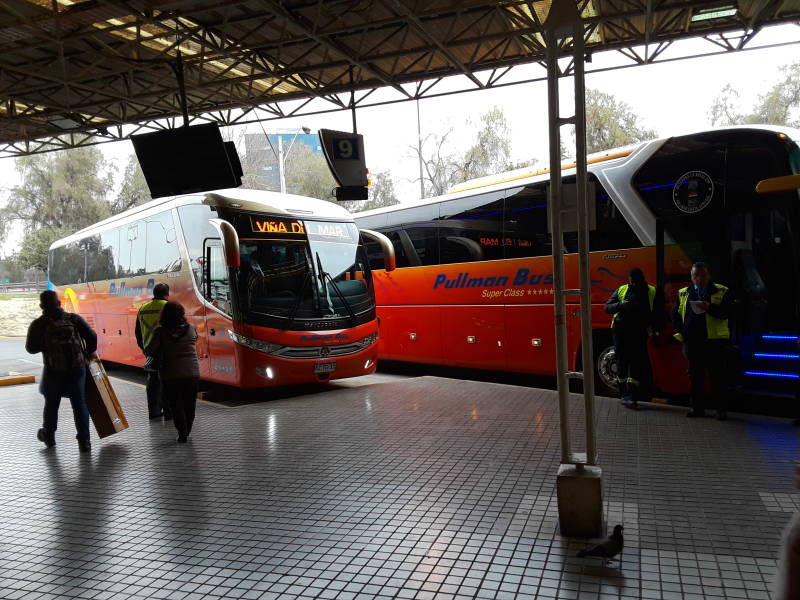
(324, 352)
(693, 192)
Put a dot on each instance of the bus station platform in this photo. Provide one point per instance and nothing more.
(424, 487)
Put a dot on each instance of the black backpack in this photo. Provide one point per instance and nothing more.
(63, 346)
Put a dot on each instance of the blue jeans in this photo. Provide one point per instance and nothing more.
(71, 384)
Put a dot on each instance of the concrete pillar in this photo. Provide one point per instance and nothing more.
(579, 490)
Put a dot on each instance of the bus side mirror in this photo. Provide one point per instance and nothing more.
(389, 260)
(230, 242)
(778, 184)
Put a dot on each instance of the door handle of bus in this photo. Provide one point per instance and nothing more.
(212, 331)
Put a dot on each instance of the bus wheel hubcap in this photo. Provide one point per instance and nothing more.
(607, 368)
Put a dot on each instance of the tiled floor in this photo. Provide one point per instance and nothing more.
(417, 488)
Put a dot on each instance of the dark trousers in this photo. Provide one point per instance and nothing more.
(182, 397)
(155, 403)
(707, 356)
(633, 364)
(71, 384)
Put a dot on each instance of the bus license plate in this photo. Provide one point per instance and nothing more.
(325, 367)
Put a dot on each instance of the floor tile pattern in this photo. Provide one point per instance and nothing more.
(426, 488)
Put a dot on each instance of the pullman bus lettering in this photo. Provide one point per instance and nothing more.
(463, 280)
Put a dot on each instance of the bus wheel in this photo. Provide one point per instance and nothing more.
(606, 371)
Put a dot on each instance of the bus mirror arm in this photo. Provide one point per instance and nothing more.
(230, 242)
(389, 259)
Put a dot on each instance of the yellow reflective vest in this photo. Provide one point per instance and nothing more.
(148, 316)
(623, 291)
(717, 329)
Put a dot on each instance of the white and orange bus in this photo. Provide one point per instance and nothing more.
(473, 287)
(277, 285)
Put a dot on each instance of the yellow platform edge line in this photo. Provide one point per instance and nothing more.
(17, 380)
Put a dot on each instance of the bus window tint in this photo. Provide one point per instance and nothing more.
(67, 265)
(133, 245)
(424, 243)
(525, 224)
(471, 228)
(613, 231)
(100, 263)
(109, 251)
(162, 246)
(219, 285)
(196, 228)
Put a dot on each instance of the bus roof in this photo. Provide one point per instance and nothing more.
(238, 198)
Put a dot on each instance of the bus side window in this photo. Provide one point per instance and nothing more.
(196, 228)
(162, 245)
(477, 219)
(613, 231)
(67, 264)
(133, 243)
(218, 291)
(99, 260)
(374, 254)
(525, 231)
(399, 251)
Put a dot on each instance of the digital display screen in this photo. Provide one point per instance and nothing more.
(277, 226)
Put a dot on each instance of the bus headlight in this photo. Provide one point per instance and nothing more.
(261, 346)
(368, 341)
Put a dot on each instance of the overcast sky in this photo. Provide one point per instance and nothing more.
(671, 98)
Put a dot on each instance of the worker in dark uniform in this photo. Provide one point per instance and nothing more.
(700, 317)
(632, 307)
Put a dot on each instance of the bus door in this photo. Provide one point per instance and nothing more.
(217, 291)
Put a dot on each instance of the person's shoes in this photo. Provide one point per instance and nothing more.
(84, 445)
(182, 439)
(695, 413)
(41, 435)
(626, 401)
(722, 415)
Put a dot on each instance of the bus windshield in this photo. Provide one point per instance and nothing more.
(302, 274)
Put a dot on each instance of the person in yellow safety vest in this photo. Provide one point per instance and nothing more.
(146, 321)
(632, 307)
(700, 317)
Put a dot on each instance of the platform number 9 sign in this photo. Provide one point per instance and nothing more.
(345, 149)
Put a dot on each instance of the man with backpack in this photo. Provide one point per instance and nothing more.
(64, 339)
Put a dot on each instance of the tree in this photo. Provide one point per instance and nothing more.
(33, 252)
(611, 123)
(381, 193)
(61, 190)
(487, 155)
(779, 106)
(134, 190)
(307, 174)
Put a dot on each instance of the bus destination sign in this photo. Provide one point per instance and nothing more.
(276, 226)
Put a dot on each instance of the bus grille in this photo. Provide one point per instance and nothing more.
(318, 351)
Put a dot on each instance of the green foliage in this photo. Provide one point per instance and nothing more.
(488, 154)
(134, 190)
(778, 106)
(611, 123)
(381, 193)
(33, 252)
(59, 190)
(307, 174)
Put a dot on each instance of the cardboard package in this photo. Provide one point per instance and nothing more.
(104, 408)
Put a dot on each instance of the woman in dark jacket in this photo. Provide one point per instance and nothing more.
(173, 344)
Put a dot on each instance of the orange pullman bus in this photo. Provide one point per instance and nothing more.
(277, 285)
(473, 287)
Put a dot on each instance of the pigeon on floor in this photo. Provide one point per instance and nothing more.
(608, 549)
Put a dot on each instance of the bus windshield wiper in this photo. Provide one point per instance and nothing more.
(323, 275)
(299, 298)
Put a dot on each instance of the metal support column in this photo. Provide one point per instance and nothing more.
(579, 480)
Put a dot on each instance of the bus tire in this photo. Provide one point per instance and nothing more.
(605, 366)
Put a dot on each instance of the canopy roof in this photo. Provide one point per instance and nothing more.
(75, 72)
